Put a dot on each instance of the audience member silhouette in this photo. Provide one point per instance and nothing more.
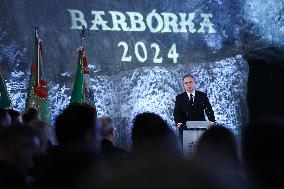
(5, 119)
(217, 150)
(152, 135)
(262, 143)
(156, 161)
(218, 146)
(78, 139)
(76, 126)
(108, 150)
(18, 146)
(153, 164)
(30, 115)
(16, 117)
(44, 131)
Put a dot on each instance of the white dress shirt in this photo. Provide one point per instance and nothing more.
(193, 94)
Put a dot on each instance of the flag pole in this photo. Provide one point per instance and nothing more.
(37, 41)
(82, 35)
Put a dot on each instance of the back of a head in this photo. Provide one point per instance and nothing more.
(20, 144)
(262, 143)
(30, 115)
(151, 132)
(15, 116)
(218, 142)
(12, 136)
(5, 119)
(75, 123)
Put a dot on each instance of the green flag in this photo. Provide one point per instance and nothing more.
(37, 92)
(5, 101)
(82, 91)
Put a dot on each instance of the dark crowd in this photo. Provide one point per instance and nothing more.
(84, 155)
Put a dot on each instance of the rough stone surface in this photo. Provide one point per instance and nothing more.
(123, 89)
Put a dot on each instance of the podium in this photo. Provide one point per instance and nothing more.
(192, 134)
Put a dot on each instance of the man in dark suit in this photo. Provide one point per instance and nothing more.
(191, 105)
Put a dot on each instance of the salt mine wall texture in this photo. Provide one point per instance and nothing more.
(138, 51)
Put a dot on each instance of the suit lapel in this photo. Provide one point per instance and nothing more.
(196, 100)
(186, 99)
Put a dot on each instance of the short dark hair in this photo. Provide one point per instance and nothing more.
(15, 116)
(75, 122)
(14, 135)
(188, 75)
(218, 141)
(29, 115)
(13, 113)
(150, 128)
(3, 116)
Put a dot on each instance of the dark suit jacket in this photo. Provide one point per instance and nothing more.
(110, 151)
(184, 111)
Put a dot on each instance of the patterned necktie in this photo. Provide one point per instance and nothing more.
(191, 99)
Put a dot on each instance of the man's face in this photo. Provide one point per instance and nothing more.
(189, 84)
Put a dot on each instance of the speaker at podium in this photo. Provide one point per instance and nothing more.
(192, 134)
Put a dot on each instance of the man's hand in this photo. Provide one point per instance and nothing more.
(178, 125)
